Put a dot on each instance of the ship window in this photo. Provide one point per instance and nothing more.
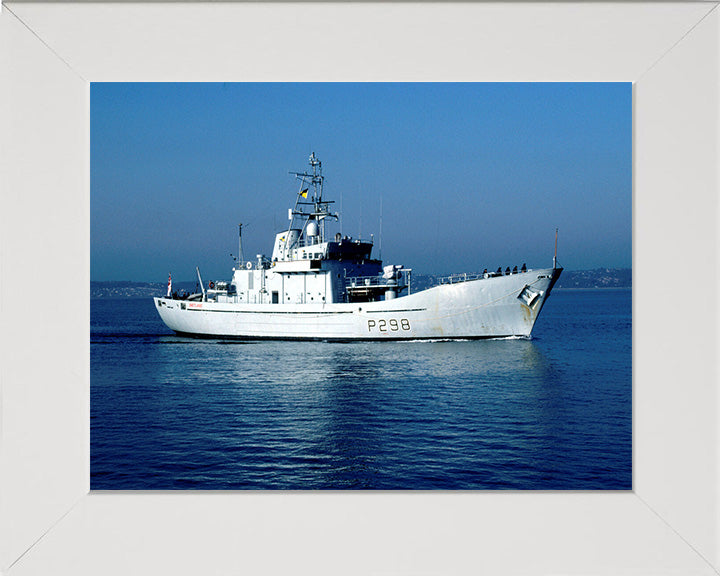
(275, 299)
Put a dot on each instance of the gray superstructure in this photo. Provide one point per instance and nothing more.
(315, 288)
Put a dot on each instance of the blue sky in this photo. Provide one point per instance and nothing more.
(469, 176)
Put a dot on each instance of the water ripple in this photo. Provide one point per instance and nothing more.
(549, 413)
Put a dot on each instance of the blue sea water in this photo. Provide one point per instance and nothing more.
(550, 413)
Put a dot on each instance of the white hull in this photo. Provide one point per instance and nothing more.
(492, 307)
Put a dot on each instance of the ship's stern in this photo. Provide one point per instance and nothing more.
(168, 310)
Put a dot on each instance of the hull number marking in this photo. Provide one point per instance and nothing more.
(392, 325)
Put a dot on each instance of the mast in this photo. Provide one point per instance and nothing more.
(319, 208)
(197, 269)
(240, 253)
(555, 256)
(381, 210)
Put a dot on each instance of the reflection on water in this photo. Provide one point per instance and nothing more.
(171, 412)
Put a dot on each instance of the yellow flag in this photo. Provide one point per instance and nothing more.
(304, 193)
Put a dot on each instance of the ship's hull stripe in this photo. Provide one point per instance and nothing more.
(341, 338)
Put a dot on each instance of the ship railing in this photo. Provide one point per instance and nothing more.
(302, 243)
(457, 278)
(372, 281)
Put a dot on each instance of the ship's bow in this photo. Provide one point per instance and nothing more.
(533, 296)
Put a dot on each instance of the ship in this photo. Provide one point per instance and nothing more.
(315, 288)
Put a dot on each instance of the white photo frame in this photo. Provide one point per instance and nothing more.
(50, 523)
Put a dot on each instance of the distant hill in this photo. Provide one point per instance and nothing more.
(597, 278)
(129, 289)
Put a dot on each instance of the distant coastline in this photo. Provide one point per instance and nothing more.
(607, 278)
(596, 278)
